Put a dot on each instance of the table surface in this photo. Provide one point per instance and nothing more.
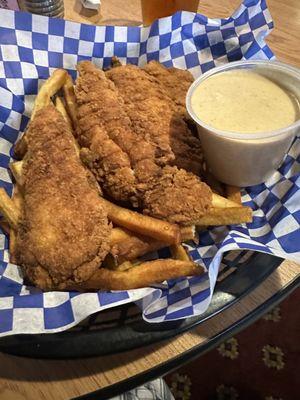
(26, 379)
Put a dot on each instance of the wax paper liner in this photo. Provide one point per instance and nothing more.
(31, 47)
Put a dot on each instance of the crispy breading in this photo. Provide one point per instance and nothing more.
(185, 143)
(176, 81)
(141, 124)
(147, 107)
(155, 102)
(63, 234)
(102, 127)
(178, 196)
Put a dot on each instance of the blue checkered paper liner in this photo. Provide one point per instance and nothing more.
(31, 47)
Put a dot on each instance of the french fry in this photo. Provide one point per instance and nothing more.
(17, 201)
(142, 224)
(8, 209)
(70, 100)
(179, 252)
(111, 263)
(61, 108)
(142, 275)
(233, 193)
(120, 234)
(221, 202)
(188, 233)
(125, 266)
(49, 88)
(226, 216)
(43, 98)
(126, 245)
(16, 169)
(135, 246)
(12, 246)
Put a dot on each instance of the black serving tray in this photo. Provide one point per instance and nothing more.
(123, 328)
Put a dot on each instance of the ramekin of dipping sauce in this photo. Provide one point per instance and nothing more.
(247, 114)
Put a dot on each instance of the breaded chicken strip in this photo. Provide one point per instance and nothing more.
(186, 146)
(175, 81)
(155, 101)
(187, 150)
(101, 131)
(140, 133)
(177, 196)
(147, 106)
(63, 235)
(101, 111)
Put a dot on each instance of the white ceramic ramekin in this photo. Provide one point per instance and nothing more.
(245, 159)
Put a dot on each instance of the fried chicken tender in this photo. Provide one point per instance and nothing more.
(184, 142)
(101, 131)
(122, 160)
(177, 196)
(63, 233)
(127, 108)
(175, 81)
(148, 108)
(155, 101)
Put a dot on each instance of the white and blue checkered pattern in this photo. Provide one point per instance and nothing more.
(31, 47)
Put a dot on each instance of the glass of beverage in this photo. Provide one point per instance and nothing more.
(153, 9)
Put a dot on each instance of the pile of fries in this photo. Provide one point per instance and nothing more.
(133, 234)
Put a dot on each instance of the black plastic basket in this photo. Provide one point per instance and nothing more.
(122, 328)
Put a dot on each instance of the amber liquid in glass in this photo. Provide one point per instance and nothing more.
(153, 9)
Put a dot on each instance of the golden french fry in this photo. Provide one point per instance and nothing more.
(188, 233)
(43, 98)
(8, 209)
(70, 100)
(111, 263)
(233, 193)
(143, 275)
(17, 199)
(16, 169)
(226, 216)
(8, 228)
(179, 252)
(221, 202)
(124, 266)
(142, 224)
(49, 88)
(135, 246)
(120, 234)
(126, 245)
(61, 108)
(12, 246)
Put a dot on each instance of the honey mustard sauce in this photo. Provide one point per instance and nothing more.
(244, 102)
